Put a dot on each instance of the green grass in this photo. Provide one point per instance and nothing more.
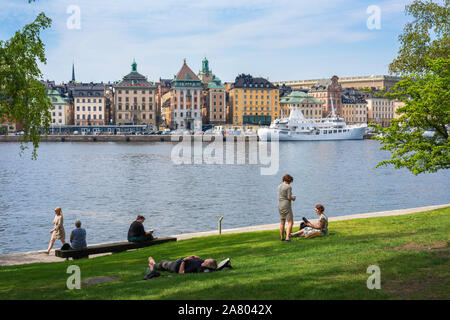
(332, 267)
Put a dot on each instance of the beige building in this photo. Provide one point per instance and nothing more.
(186, 100)
(215, 108)
(380, 110)
(354, 107)
(329, 92)
(89, 104)
(308, 105)
(135, 100)
(375, 81)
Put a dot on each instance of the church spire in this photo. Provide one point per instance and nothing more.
(73, 72)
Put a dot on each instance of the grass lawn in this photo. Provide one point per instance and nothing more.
(412, 252)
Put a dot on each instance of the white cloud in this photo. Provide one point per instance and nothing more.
(159, 34)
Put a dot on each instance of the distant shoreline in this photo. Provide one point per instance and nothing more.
(123, 138)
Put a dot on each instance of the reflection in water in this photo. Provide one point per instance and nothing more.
(106, 185)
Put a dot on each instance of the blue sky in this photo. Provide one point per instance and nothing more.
(278, 39)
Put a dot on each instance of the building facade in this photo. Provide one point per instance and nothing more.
(62, 113)
(376, 81)
(354, 107)
(253, 101)
(185, 100)
(329, 92)
(135, 100)
(88, 104)
(215, 108)
(308, 105)
(380, 110)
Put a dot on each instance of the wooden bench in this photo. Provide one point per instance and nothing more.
(109, 247)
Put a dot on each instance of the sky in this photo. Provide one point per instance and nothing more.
(275, 39)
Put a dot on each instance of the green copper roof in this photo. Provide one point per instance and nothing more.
(298, 97)
(216, 83)
(55, 97)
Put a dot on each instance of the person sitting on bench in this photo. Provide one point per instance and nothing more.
(137, 233)
(78, 236)
(191, 264)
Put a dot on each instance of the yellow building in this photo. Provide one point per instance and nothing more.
(253, 101)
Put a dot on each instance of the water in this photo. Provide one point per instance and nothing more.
(106, 185)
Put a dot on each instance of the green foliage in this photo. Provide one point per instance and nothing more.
(332, 267)
(23, 99)
(426, 107)
(427, 36)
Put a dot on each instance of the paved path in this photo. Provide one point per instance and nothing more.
(40, 256)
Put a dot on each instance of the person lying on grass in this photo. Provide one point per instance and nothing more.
(314, 230)
(191, 264)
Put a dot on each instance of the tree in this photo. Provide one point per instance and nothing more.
(426, 107)
(23, 98)
(423, 60)
(427, 36)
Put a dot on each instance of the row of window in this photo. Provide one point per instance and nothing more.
(89, 100)
(135, 91)
(261, 91)
(348, 112)
(126, 116)
(59, 107)
(135, 107)
(89, 117)
(94, 108)
(256, 103)
(150, 99)
(188, 114)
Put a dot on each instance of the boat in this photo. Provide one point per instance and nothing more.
(298, 128)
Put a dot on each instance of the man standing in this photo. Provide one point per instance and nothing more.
(137, 232)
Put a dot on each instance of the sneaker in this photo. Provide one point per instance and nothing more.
(224, 264)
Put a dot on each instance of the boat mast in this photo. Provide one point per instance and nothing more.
(333, 114)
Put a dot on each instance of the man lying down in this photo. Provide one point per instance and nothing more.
(191, 264)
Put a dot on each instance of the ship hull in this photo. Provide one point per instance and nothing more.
(266, 134)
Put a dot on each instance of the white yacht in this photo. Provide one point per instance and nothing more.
(297, 127)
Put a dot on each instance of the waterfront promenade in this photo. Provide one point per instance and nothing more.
(40, 256)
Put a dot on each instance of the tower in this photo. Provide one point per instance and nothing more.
(205, 74)
(73, 73)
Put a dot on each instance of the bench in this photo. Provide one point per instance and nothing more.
(109, 247)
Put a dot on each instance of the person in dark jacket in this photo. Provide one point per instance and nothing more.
(191, 264)
(137, 232)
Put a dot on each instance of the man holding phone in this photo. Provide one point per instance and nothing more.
(137, 233)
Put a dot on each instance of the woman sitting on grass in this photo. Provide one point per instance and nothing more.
(314, 230)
